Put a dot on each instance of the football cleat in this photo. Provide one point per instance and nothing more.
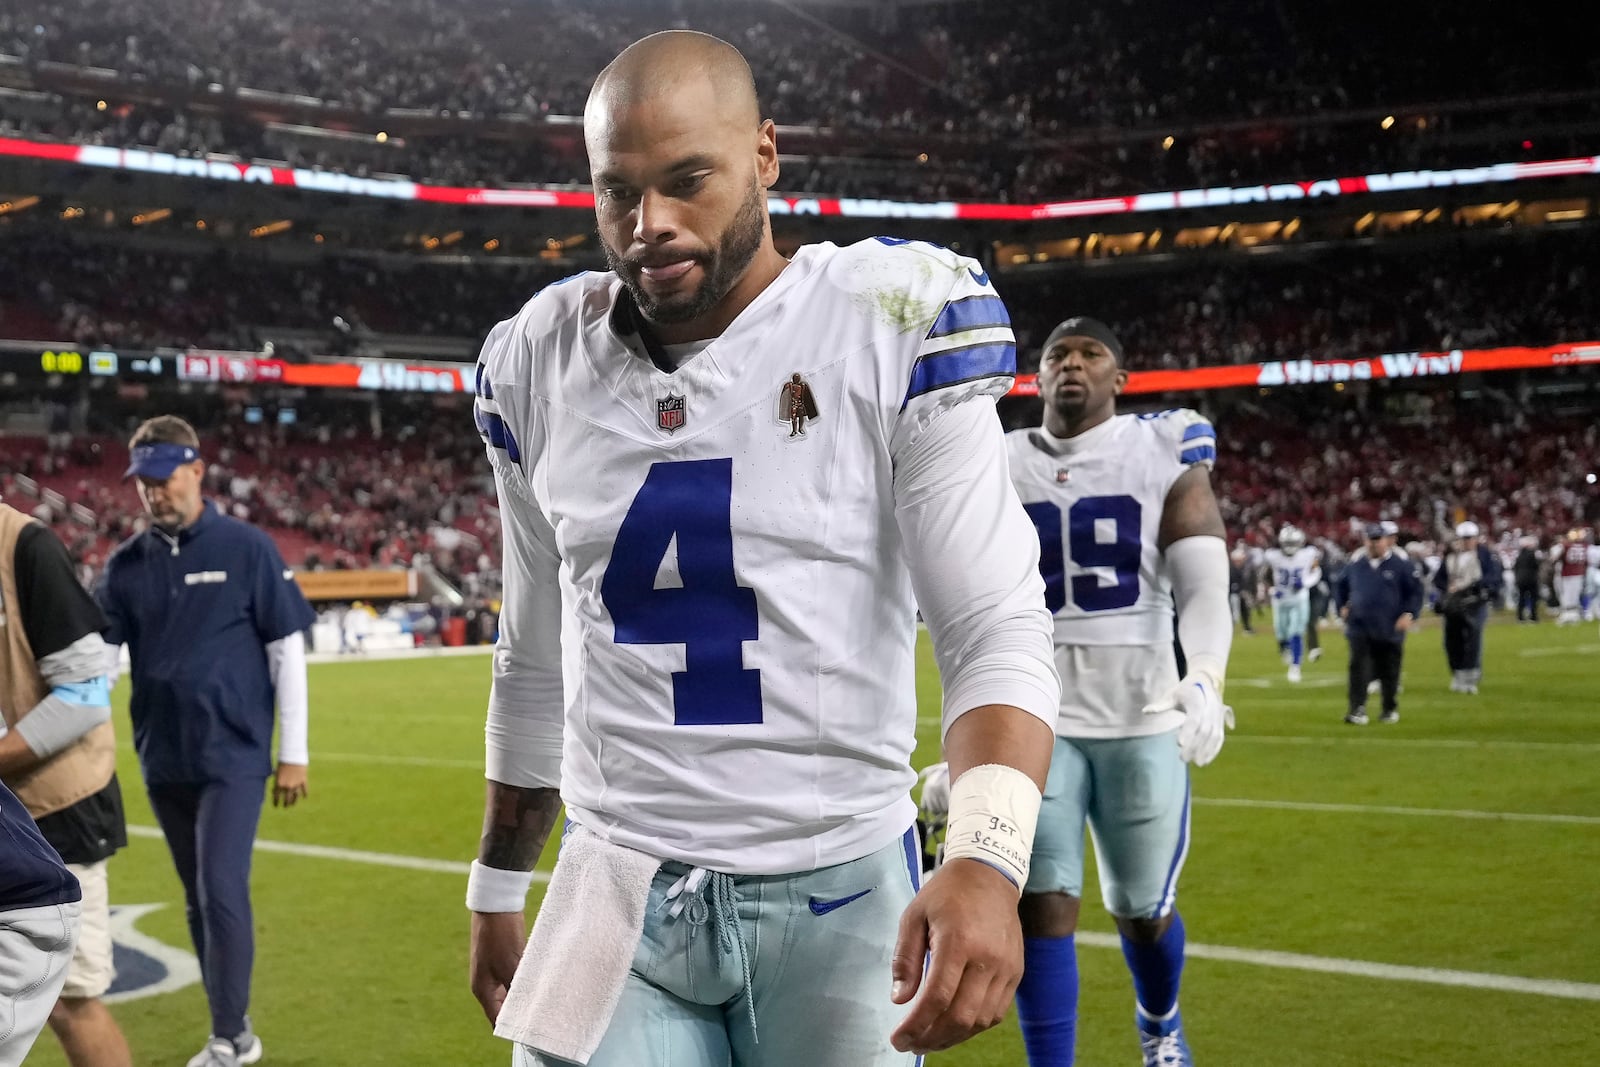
(1161, 1041)
(1357, 717)
(1392, 715)
(1294, 672)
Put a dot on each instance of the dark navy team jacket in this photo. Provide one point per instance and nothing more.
(197, 612)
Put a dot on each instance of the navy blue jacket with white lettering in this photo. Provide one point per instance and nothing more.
(1378, 595)
(197, 611)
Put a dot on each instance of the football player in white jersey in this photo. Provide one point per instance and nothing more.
(727, 481)
(1128, 529)
(1295, 569)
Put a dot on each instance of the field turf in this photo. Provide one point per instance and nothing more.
(1400, 873)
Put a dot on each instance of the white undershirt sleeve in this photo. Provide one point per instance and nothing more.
(526, 702)
(286, 660)
(974, 560)
(1199, 569)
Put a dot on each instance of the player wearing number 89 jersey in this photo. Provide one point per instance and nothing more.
(727, 480)
(1128, 530)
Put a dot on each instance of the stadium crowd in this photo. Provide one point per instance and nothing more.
(339, 489)
(335, 492)
(1204, 310)
(1005, 102)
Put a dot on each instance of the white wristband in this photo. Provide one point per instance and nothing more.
(994, 810)
(494, 891)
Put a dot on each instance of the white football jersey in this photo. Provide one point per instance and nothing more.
(1096, 502)
(1293, 574)
(712, 570)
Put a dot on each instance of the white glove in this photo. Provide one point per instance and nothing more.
(935, 791)
(1205, 717)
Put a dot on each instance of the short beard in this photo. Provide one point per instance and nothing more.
(727, 263)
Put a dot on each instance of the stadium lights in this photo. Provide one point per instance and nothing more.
(382, 138)
(73, 212)
(99, 105)
(318, 238)
(144, 218)
(491, 244)
(1388, 121)
(1590, 478)
(20, 204)
(922, 157)
(1167, 142)
(267, 229)
(200, 224)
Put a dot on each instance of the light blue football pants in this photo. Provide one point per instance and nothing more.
(1133, 793)
(817, 946)
(1291, 616)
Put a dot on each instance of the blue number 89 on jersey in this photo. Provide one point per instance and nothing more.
(711, 614)
(1082, 543)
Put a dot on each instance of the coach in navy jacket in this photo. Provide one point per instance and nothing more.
(1379, 595)
(213, 622)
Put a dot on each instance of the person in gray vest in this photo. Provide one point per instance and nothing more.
(58, 755)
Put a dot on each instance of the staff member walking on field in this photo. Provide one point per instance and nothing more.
(57, 754)
(1378, 595)
(214, 625)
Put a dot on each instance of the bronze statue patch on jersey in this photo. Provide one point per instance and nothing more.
(796, 404)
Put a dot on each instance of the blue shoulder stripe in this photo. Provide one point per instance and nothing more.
(940, 369)
(484, 389)
(1198, 454)
(1199, 429)
(494, 430)
(970, 313)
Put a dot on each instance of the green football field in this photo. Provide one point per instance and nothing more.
(1421, 893)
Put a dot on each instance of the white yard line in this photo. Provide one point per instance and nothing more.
(1545, 987)
(1557, 650)
(1389, 972)
(1389, 809)
(347, 855)
(1388, 738)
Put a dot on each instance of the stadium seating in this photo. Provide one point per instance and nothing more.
(943, 100)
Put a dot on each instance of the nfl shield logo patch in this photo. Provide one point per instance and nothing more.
(669, 413)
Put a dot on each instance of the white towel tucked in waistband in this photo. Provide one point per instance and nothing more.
(581, 949)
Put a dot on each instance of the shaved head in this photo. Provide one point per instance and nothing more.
(669, 62)
(681, 161)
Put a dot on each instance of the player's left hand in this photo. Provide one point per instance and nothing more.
(289, 785)
(1206, 719)
(965, 917)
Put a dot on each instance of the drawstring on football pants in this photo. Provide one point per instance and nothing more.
(701, 896)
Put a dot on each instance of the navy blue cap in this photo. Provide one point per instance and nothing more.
(1375, 530)
(159, 460)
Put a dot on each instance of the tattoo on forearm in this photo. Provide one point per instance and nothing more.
(516, 822)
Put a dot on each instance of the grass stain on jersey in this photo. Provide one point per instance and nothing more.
(900, 309)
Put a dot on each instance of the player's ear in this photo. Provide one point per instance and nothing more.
(767, 154)
(1120, 382)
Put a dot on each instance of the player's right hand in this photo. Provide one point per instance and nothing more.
(496, 949)
(964, 926)
(1206, 719)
